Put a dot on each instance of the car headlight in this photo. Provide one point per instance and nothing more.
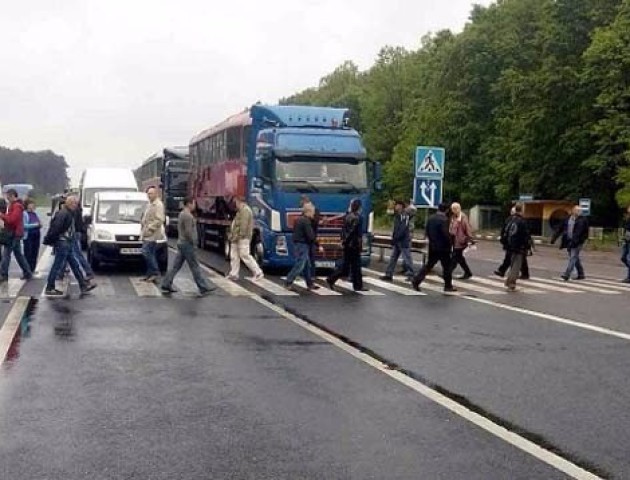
(103, 235)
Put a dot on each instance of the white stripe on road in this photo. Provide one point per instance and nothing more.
(576, 285)
(230, 287)
(144, 289)
(500, 285)
(324, 292)
(480, 421)
(392, 287)
(11, 288)
(596, 282)
(464, 285)
(272, 287)
(105, 286)
(549, 287)
(346, 285)
(11, 325)
(185, 286)
(45, 261)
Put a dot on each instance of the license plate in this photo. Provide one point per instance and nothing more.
(130, 251)
(324, 264)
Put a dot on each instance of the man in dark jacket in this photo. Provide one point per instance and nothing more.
(14, 225)
(351, 241)
(573, 233)
(440, 249)
(303, 241)
(401, 242)
(517, 243)
(507, 259)
(61, 235)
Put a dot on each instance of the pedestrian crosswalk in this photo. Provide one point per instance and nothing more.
(273, 286)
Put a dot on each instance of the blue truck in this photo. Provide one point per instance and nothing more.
(274, 155)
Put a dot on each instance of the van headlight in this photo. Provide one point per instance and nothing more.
(103, 235)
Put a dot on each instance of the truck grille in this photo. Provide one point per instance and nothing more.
(128, 238)
(327, 221)
(332, 248)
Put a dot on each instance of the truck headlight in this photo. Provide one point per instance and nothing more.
(104, 235)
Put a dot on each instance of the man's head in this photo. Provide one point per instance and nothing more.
(355, 205)
(512, 210)
(518, 209)
(29, 205)
(456, 208)
(399, 206)
(152, 194)
(304, 200)
(12, 195)
(189, 204)
(443, 207)
(308, 210)
(576, 211)
(71, 203)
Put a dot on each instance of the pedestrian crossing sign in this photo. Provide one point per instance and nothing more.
(430, 162)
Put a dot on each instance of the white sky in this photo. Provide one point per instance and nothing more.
(107, 83)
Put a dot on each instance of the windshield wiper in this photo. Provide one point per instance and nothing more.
(305, 182)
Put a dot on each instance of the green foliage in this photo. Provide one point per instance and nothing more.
(533, 96)
(45, 170)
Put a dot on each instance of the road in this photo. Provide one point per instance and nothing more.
(259, 382)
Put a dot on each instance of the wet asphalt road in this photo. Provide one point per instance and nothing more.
(121, 385)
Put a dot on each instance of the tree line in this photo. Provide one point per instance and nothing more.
(45, 170)
(532, 97)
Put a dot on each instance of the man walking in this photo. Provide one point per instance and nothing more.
(507, 258)
(315, 247)
(32, 234)
(14, 225)
(351, 240)
(574, 233)
(61, 235)
(152, 231)
(440, 249)
(401, 242)
(187, 230)
(517, 243)
(240, 239)
(303, 241)
(625, 251)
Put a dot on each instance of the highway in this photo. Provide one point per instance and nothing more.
(259, 382)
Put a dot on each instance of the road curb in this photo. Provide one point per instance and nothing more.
(12, 324)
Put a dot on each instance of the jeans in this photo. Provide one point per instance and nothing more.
(186, 254)
(574, 262)
(31, 248)
(515, 269)
(350, 265)
(625, 257)
(64, 254)
(241, 251)
(149, 251)
(302, 264)
(14, 247)
(78, 254)
(399, 249)
(434, 257)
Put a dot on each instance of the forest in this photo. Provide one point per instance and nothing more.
(45, 170)
(532, 97)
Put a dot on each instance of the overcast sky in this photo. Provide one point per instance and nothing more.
(107, 83)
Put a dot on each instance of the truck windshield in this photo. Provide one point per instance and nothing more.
(120, 211)
(339, 175)
(177, 181)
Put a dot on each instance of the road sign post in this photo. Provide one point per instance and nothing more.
(429, 176)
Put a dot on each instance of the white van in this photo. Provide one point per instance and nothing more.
(114, 229)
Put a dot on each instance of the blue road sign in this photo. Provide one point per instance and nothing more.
(427, 192)
(430, 162)
(585, 206)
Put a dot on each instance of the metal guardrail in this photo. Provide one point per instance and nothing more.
(383, 242)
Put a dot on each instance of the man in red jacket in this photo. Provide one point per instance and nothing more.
(14, 224)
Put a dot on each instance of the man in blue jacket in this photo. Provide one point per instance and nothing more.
(401, 242)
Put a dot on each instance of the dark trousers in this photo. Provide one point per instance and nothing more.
(31, 248)
(350, 265)
(302, 264)
(64, 253)
(434, 257)
(507, 262)
(459, 259)
(15, 248)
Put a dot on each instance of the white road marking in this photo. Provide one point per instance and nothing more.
(480, 421)
(323, 291)
(186, 286)
(346, 285)
(596, 282)
(45, 261)
(428, 286)
(11, 288)
(105, 286)
(501, 285)
(392, 287)
(144, 289)
(548, 287)
(576, 285)
(465, 286)
(272, 287)
(231, 288)
(11, 325)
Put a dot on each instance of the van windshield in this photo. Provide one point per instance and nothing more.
(120, 211)
(88, 194)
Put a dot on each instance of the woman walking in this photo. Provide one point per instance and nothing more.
(461, 233)
(32, 234)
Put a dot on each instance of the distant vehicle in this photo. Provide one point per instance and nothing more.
(23, 189)
(114, 229)
(94, 180)
(272, 155)
(167, 170)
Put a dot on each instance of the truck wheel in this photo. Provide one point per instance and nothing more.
(224, 244)
(257, 249)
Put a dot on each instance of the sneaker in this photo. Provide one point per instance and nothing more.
(386, 278)
(626, 280)
(313, 287)
(511, 288)
(168, 290)
(330, 284)
(498, 273)
(564, 277)
(258, 276)
(415, 284)
(362, 289)
(53, 292)
(449, 289)
(26, 278)
(234, 278)
(581, 277)
(89, 278)
(205, 293)
(88, 288)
